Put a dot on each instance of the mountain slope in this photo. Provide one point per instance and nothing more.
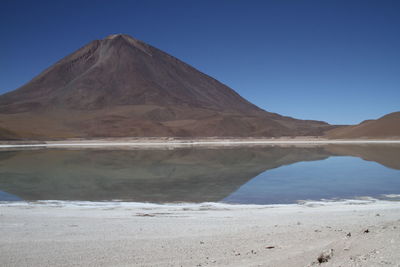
(120, 86)
(387, 126)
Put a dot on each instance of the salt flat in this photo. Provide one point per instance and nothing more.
(179, 143)
(352, 233)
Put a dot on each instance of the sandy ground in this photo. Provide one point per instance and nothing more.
(172, 142)
(352, 233)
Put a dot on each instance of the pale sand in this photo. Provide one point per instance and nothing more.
(123, 234)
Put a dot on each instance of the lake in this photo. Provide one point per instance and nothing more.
(239, 175)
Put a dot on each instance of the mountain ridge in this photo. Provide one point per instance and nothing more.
(120, 86)
(386, 127)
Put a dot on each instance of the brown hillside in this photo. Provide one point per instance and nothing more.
(120, 86)
(387, 126)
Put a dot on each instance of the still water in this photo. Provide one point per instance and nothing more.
(256, 175)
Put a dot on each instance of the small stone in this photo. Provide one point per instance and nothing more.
(325, 256)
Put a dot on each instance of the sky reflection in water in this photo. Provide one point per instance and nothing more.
(259, 175)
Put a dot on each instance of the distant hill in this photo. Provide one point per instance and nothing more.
(120, 87)
(387, 126)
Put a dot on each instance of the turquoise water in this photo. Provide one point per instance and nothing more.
(252, 175)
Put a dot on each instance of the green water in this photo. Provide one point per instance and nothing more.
(259, 175)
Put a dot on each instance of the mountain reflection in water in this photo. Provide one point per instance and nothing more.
(193, 175)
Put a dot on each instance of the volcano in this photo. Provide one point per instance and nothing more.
(123, 87)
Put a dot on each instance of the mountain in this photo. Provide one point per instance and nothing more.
(386, 127)
(120, 86)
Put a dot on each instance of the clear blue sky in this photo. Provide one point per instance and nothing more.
(337, 61)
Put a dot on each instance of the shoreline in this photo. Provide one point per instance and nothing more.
(183, 143)
(353, 232)
(386, 199)
(207, 234)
